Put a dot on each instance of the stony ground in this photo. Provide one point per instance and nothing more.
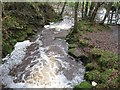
(106, 40)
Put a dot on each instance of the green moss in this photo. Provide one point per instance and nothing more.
(29, 31)
(19, 20)
(10, 22)
(90, 29)
(87, 26)
(6, 48)
(84, 84)
(106, 75)
(102, 85)
(92, 75)
(107, 59)
(91, 66)
(72, 46)
(97, 51)
(83, 43)
(114, 83)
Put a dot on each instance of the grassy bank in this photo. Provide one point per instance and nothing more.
(101, 65)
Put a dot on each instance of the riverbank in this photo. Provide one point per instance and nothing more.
(43, 63)
(97, 47)
(22, 21)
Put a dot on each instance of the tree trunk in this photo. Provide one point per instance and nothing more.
(107, 13)
(75, 17)
(86, 9)
(111, 17)
(95, 11)
(83, 10)
(63, 8)
(91, 9)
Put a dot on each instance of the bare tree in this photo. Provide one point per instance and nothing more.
(86, 9)
(63, 8)
(75, 17)
(83, 10)
(108, 7)
(91, 8)
(95, 11)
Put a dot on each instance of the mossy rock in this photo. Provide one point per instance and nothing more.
(74, 52)
(84, 58)
(86, 85)
(93, 75)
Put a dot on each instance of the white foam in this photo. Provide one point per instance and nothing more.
(13, 59)
(46, 72)
(66, 24)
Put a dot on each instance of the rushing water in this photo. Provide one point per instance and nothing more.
(43, 63)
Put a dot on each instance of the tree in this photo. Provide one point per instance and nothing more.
(108, 7)
(86, 9)
(74, 30)
(91, 8)
(83, 10)
(75, 17)
(63, 8)
(95, 11)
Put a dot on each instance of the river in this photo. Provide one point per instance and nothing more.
(43, 63)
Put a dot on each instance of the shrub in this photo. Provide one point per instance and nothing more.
(83, 43)
(92, 65)
(93, 75)
(107, 59)
(84, 84)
